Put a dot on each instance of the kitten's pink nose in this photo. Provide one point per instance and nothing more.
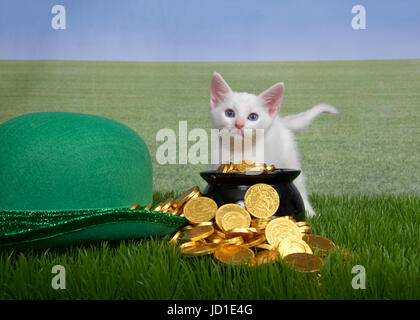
(239, 124)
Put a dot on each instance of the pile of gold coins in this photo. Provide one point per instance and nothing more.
(246, 167)
(250, 234)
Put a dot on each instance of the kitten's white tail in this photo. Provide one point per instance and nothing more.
(300, 121)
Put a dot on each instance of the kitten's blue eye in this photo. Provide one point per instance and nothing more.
(253, 117)
(230, 113)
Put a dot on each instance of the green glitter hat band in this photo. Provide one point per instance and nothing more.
(23, 229)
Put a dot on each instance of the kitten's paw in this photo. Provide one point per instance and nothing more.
(326, 108)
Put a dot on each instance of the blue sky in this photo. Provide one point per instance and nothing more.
(204, 30)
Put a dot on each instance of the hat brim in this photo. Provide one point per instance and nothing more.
(44, 229)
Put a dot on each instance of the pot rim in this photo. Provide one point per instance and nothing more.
(284, 175)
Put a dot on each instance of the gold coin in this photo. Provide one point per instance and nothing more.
(258, 240)
(232, 168)
(270, 168)
(304, 262)
(244, 165)
(250, 163)
(236, 240)
(287, 218)
(260, 224)
(266, 256)
(234, 254)
(186, 196)
(243, 232)
(290, 245)
(135, 206)
(262, 200)
(158, 207)
(200, 250)
(278, 229)
(148, 207)
(235, 167)
(319, 243)
(302, 224)
(200, 209)
(265, 246)
(225, 168)
(305, 229)
(196, 233)
(167, 205)
(174, 239)
(189, 244)
(221, 234)
(229, 168)
(176, 211)
(255, 167)
(214, 238)
(206, 223)
(234, 220)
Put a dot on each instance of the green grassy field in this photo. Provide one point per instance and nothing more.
(362, 169)
(380, 233)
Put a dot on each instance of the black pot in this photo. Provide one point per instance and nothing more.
(231, 188)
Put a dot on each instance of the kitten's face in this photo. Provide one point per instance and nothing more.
(236, 111)
(239, 111)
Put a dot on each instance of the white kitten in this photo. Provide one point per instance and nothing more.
(236, 111)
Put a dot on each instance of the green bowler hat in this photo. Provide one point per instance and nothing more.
(69, 178)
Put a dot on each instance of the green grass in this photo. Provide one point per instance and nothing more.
(371, 147)
(380, 232)
(362, 168)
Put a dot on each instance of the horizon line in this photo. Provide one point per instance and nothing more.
(207, 61)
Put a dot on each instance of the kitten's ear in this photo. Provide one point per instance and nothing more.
(272, 97)
(219, 88)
